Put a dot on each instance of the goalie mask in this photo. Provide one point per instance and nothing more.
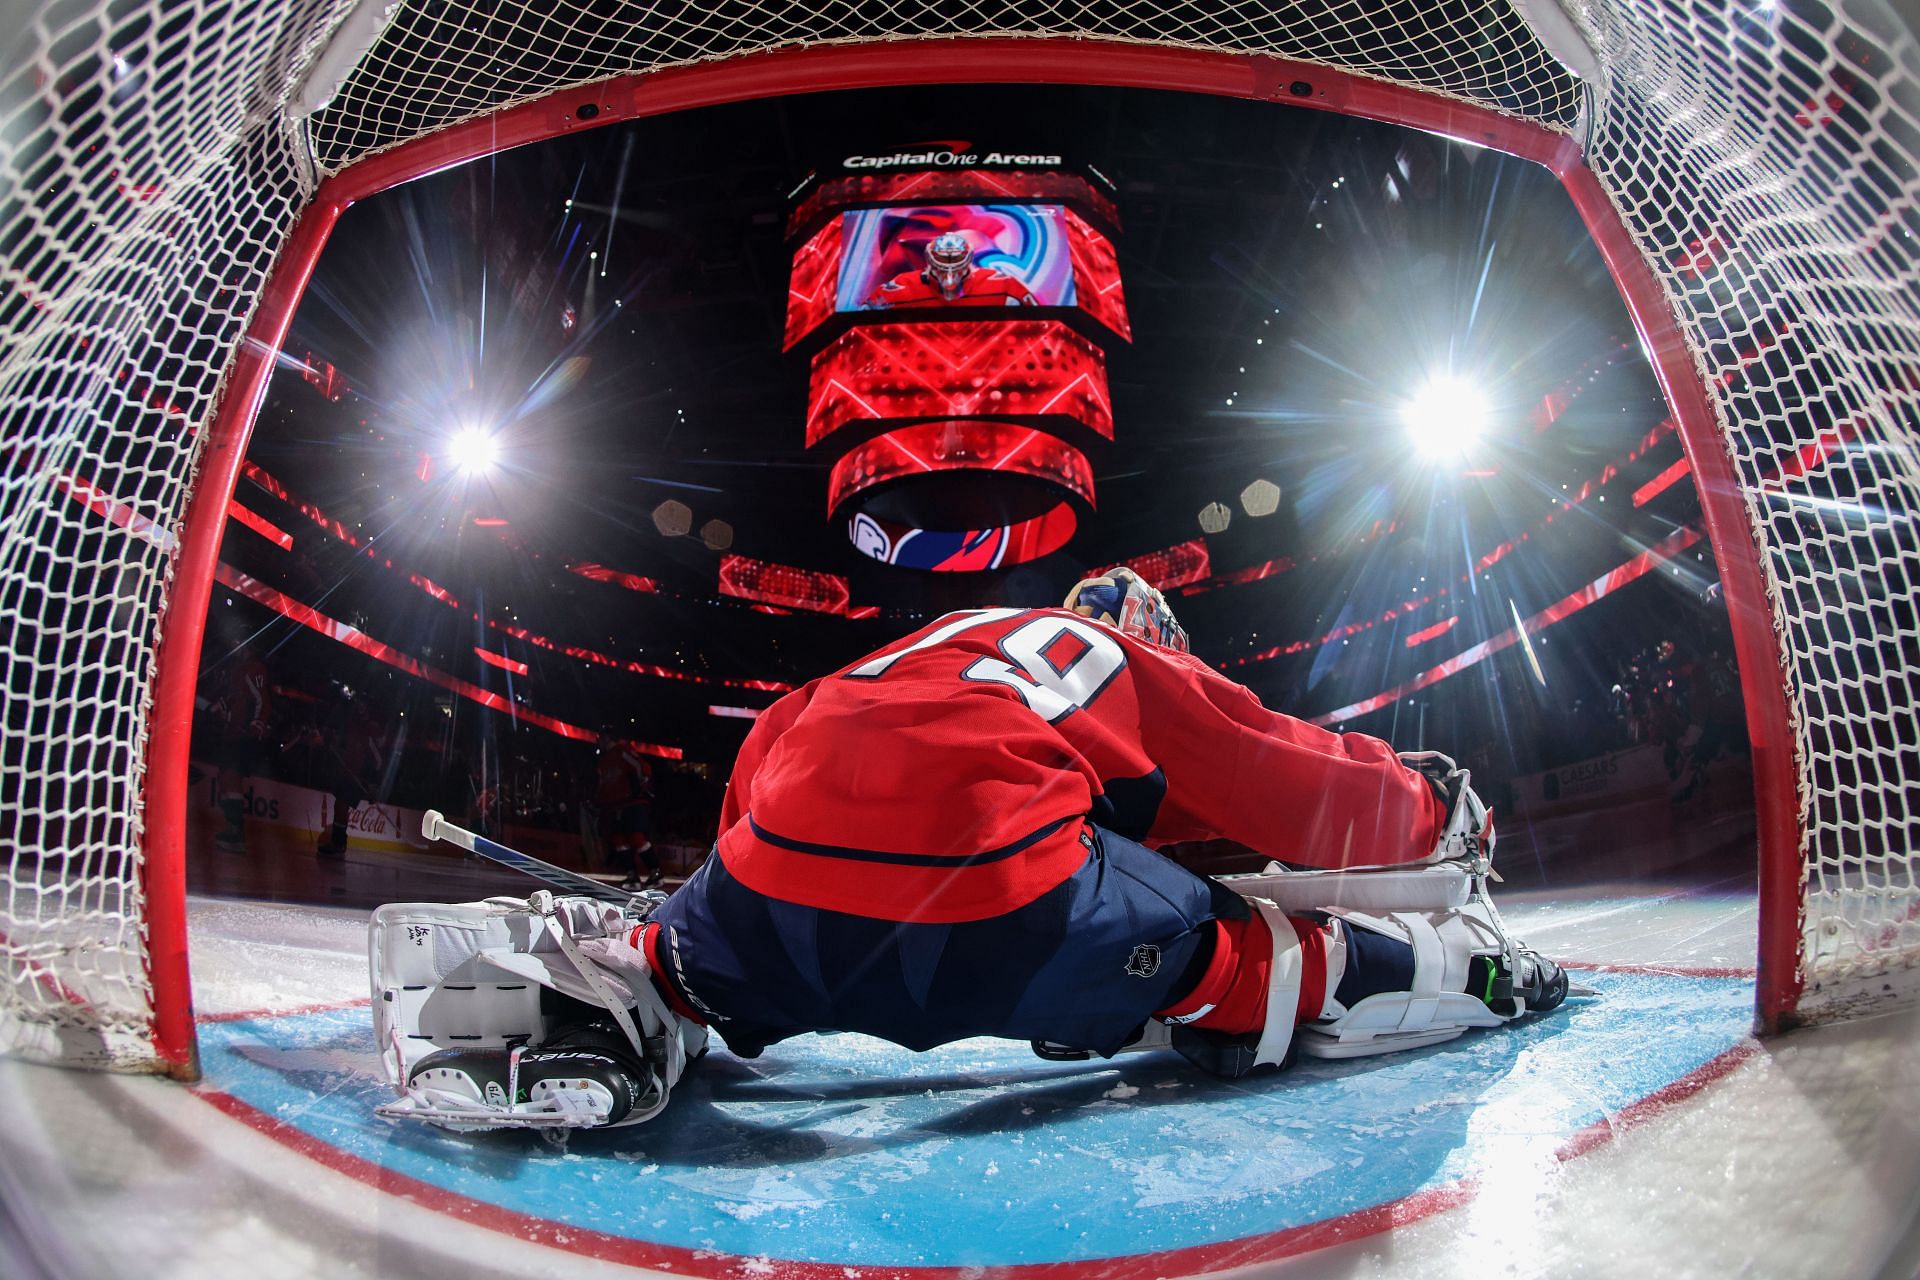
(1123, 599)
(949, 262)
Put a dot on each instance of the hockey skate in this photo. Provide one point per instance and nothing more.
(578, 1079)
(531, 1014)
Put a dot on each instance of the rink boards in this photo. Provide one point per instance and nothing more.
(833, 1154)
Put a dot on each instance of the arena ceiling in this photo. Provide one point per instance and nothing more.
(611, 303)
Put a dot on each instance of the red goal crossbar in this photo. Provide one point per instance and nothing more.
(967, 61)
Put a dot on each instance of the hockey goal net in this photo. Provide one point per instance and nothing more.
(168, 172)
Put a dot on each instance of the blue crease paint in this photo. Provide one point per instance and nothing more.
(843, 1149)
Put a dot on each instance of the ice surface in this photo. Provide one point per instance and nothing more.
(1802, 1161)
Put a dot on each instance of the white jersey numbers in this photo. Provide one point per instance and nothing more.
(1056, 663)
(1059, 664)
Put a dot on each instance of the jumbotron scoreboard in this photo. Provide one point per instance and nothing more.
(956, 306)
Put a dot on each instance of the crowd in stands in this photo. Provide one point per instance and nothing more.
(1680, 693)
(400, 741)
(394, 741)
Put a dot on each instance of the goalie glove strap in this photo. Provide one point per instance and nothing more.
(590, 974)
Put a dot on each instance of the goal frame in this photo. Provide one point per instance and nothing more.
(964, 60)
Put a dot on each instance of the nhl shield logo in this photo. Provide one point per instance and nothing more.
(1144, 962)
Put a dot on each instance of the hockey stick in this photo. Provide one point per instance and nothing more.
(434, 826)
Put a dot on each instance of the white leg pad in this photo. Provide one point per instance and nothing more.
(1424, 887)
(1437, 1007)
(1283, 986)
(469, 976)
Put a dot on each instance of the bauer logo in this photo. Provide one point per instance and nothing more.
(1145, 961)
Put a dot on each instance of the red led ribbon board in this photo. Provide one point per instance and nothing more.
(815, 283)
(972, 444)
(905, 371)
(784, 585)
(1176, 566)
(1096, 275)
(927, 186)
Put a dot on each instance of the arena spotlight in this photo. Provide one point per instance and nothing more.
(1446, 417)
(1214, 517)
(473, 450)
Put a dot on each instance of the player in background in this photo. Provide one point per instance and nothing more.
(245, 711)
(950, 838)
(623, 792)
(950, 277)
(356, 747)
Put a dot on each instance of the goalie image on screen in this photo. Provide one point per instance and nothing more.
(943, 255)
(953, 838)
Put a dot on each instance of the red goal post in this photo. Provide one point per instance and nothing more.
(141, 344)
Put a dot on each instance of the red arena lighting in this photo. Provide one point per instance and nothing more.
(959, 445)
(783, 584)
(1007, 368)
(1175, 566)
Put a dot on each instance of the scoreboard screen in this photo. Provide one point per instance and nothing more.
(1016, 255)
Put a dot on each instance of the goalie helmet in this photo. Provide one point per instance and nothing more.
(949, 262)
(1123, 599)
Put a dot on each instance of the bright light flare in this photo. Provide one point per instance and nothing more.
(1446, 417)
(473, 450)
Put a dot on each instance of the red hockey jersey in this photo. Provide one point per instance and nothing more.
(948, 777)
(622, 777)
(984, 286)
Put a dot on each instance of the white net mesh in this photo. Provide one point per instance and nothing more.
(150, 170)
(145, 183)
(438, 64)
(1765, 158)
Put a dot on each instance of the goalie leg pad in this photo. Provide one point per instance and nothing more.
(493, 1015)
(1463, 976)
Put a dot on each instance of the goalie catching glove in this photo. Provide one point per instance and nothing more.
(522, 1013)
